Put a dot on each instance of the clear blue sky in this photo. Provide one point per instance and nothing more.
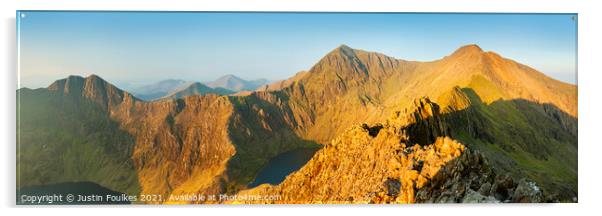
(130, 48)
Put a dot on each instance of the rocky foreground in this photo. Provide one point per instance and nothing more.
(375, 164)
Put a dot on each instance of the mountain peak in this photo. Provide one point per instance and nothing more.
(468, 49)
(93, 77)
(230, 76)
(72, 81)
(343, 47)
(471, 47)
(92, 87)
(343, 50)
(75, 77)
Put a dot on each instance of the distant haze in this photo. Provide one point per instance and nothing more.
(132, 49)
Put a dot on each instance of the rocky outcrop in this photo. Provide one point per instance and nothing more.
(527, 192)
(468, 178)
(475, 197)
(377, 164)
(425, 124)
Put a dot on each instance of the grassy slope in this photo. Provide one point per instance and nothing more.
(520, 138)
(61, 139)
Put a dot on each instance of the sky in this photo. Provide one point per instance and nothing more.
(135, 48)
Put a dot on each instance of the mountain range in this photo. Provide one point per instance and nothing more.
(234, 83)
(170, 88)
(470, 127)
(158, 90)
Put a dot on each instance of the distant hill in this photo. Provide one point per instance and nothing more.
(236, 84)
(197, 88)
(159, 89)
(176, 89)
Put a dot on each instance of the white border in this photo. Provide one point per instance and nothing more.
(590, 107)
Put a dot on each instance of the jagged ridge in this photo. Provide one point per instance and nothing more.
(379, 164)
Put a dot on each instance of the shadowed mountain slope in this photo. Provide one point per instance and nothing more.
(65, 134)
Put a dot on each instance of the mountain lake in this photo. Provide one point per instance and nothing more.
(282, 165)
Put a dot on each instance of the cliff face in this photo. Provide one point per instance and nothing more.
(181, 145)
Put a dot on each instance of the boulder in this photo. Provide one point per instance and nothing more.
(527, 192)
(472, 196)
